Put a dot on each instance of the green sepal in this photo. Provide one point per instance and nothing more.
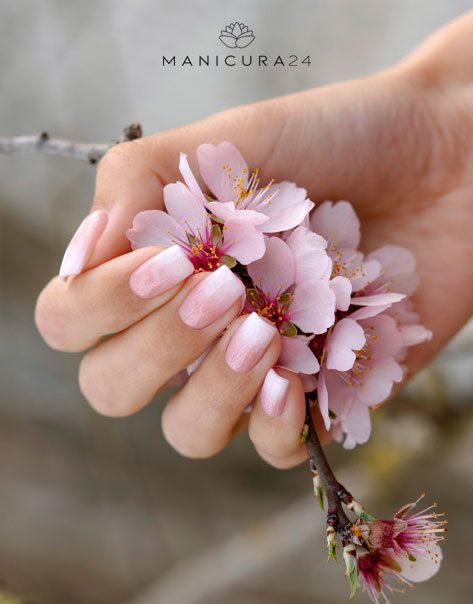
(304, 433)
(320, 496)
(285, 300)
(213, 217)
(208, 198)
(365, 516)
(216, 233)
(349, 555)
(227, 261)
(332, 552)
(288, 329)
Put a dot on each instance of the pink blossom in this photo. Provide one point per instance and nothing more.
(270, 209)
(339, 225)
(358, 371)
(288, 290)
(376, 569)
(188, 224)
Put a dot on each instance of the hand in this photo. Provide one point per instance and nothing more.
(396, 145)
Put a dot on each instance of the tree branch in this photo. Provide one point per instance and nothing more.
(90, 152)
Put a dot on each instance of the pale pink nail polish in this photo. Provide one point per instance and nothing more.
(83, 243)
(273, 394)
(161, 273)
(211, 298)
(249, 343)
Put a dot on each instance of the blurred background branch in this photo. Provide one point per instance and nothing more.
(90, 152)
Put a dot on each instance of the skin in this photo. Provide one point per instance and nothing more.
(396, 144)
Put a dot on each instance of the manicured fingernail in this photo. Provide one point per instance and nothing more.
(273, 394)
(83, 243)
(249, 343)
(160, 273)
(211, 298)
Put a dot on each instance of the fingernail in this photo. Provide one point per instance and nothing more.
(211, 298)
(249, 343)
(160, 273)
(83, 243)
(273, 394)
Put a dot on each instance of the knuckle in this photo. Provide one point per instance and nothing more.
(280, 463)
(100, 392)
(188, 443)
(50, 321)
(117, 158)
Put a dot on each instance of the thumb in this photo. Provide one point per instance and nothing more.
(131, 177)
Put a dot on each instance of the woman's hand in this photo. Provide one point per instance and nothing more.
(397, 145)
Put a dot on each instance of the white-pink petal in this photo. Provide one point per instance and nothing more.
(377, 299)
(247, 244)
(154, 227)
(346, 337)
(185, 208)
(227, 211)
(399, 268)
(378, 383)
(219, 166)
(274, 272)
(341, 287)
(414, 334)
(190, 179)
(310, 258)
(297, 356)
(313, 307)
(288, 208)
(423, 568)
(337, 223)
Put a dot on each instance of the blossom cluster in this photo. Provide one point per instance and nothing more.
(400, 551)
(345, 317)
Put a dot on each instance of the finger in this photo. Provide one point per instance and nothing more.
(204, 415)
(123, 373)
(73, 316)
(278, 418)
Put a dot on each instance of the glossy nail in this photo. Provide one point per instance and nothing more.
(161, 273)
(211, 298)
(83, 243)
(273, 394)
(249, 343)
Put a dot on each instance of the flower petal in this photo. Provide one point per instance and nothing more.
(377, 299)
(297, 356)
(322, 396)
(313, 307)
(357, 425)
(154, 227)
(337, 223)
(185, 208)
(274, 272)
(346, 337)
(190, 179)
(310, 258)
(288, 208)
(399, 268)
(247, 244)
(378, 383)
(414, 334)
(422, 569)
(228, 210)
(341, 287)
(219, 166)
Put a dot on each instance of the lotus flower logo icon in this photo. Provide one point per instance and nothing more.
(237, 35)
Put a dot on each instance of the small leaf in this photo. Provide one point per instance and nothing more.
(216, 233)
(332, 552)
(288, 329)
(320, 495)
(227, 261)
(213, 217)
(365, 516)
(304, 433)
(349, 555)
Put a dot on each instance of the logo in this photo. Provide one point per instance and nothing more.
(236, 35)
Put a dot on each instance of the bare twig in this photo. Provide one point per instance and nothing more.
(90, 152)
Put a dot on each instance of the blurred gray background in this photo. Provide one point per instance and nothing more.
(101, 511)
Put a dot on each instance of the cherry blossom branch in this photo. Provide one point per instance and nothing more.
(90, 152)
(334, 491)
